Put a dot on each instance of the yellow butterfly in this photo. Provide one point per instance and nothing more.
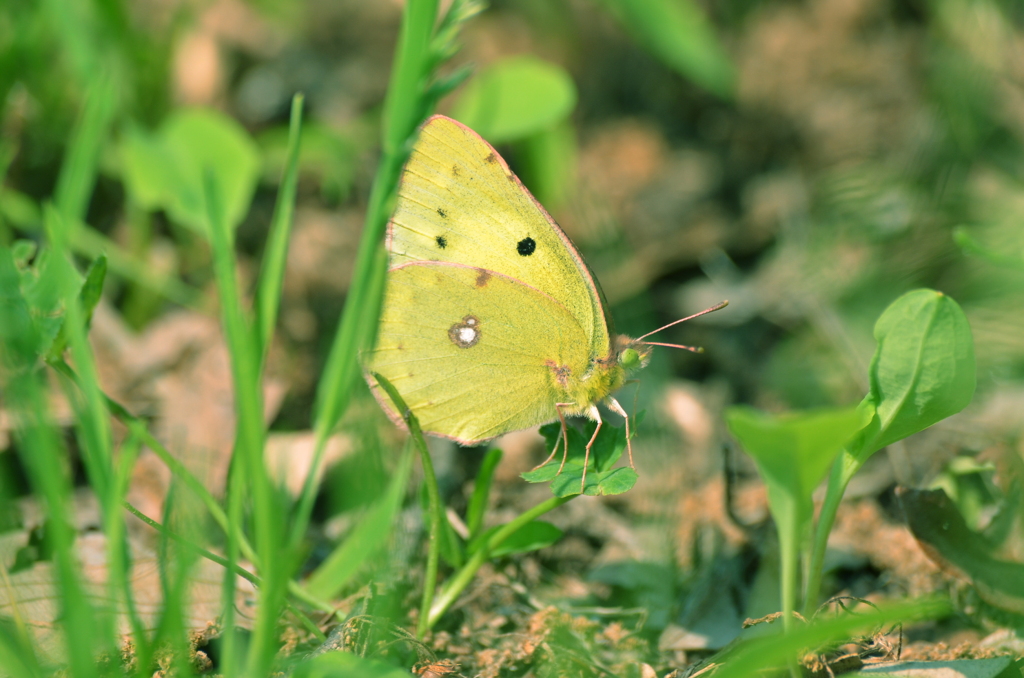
(492, 322)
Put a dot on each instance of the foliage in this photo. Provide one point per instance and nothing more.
(784, 163)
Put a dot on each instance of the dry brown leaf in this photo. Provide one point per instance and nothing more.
(30, 596)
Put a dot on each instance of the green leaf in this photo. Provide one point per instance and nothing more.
(342, 664)
(364, 541)
(19, 338)
(92, 288)
(23, 251)
(923, 369)
(548, 160)
(957, 668)
(601, 479)
(149, 169)
(450, 542)
(42, 287)
(748, 657)
(969, 245)
(794, 451)
(679, 33)
(89, 296)
(935, 521)
(532, 536)
(481, 492)
(515, 98)
(166, 170)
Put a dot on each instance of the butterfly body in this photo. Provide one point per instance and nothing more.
(492, 322)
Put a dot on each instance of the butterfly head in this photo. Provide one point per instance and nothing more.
(632, 354)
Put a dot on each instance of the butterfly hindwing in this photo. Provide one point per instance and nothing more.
(474, 353)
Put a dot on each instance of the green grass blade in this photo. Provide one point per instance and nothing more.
(403, 107)
(78, 172)
(92, 423)
(268, 297)
(750, 658)
(679, 33)
(17, 657)
(44, 458)
(481, 492)
(249, 440)
(401, 118)
(435, 510)
(365, 540)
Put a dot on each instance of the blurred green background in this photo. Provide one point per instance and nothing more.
(808, 160)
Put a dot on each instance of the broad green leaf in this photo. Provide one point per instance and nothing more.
(935, 521)
(516, 98)
(923, 369)
(747, 658)
(601, 478)
(150, 171)
(957, 668)
(342, 664)
(679, 33)
(166, 170)
(794, 451)
(548, 160)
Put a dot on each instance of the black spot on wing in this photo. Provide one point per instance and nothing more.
(441, 241)
(526, 246)
(442, 213)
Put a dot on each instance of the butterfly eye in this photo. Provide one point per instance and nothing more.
(629, 358)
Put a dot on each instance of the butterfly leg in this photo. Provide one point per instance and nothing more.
(615, 407)
(594, 414)
(562, 437)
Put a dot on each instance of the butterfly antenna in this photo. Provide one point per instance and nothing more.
(714, 308)
(693, 349)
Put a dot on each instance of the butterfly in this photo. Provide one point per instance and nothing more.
(492, 322)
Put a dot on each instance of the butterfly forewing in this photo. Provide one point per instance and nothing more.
(474, 353)
(459, 202)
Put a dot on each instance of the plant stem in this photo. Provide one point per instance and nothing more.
(844, 468)
(457, 584)
(434, 535)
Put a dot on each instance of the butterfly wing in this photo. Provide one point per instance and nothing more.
(474, 353)
(459, 202)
